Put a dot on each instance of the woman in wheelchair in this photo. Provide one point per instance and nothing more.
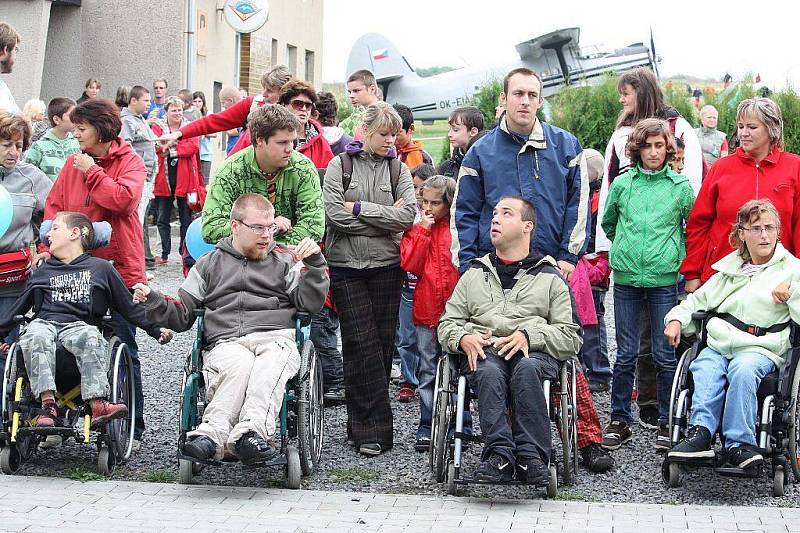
(751, 300)
(69, 294)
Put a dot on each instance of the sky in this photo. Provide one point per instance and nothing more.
(702, 38)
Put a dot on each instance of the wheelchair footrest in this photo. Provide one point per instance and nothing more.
(467, 437)
(45, 431)
(473, 481)
(279, 460)
(733, 471)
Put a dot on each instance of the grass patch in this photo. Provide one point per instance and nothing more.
(82, 473)
(566, 495)
(344, 475)
(160, 476)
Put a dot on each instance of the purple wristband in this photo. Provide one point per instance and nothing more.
(357, 208)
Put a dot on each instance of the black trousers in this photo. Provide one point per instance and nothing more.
(517, 383)
(368, 302)
(164, 217)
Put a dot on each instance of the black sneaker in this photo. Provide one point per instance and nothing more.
(252, 449)
(696, 445)
(532, 470)
(648, 416)
(745, 457)
(616, 434)
(663, 438)
(496, 469)
(200, 447)
(596, 459)
(422, 444)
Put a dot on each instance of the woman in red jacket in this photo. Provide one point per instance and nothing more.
(104, 181)
(425, 252)
(178, 180)
(299, 97)
(758, 169)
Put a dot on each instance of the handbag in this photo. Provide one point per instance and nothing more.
(15, 266)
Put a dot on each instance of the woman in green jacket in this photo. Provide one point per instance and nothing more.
(747, 336)
(644, 218)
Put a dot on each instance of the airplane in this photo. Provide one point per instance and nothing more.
(556, 56)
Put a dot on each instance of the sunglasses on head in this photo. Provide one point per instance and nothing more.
(299, 105)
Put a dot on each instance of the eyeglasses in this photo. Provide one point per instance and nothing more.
(258, 229)
(299, 105)
(756, 231)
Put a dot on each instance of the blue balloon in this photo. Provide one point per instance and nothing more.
(195, 244)
(6, 210)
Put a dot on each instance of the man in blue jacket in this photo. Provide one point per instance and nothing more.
(544, 165)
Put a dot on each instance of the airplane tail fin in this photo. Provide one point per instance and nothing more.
(379, 55)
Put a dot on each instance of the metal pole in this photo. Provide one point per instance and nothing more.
(191, 29)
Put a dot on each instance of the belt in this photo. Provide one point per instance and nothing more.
(752, 329)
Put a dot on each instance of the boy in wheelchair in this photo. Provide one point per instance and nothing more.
(251, 289)
(751, 300)
(69, 293)
(511, 315)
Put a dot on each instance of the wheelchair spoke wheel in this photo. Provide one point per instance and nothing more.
(9, 380)
(441, 418)
(293, 468)
(106, 461)
(311, 412)
(567, 423)
(123, 390)
(552, 482)
(10, 459)
(794, 429)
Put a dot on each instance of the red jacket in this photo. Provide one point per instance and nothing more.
(318, 150)
(426, 254)
(110, 190)
(189, 177)
(731, 182)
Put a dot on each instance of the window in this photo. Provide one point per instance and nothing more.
(310, 66)
(274, 52)
(291, 59)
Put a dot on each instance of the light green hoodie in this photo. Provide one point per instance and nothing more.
(749, 300)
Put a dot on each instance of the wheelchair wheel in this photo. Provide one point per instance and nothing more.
(452, 488)
(10, 459)
(106, 461)
(794, 429)
(310, 410)
(123, 390)
(567, 425)
(293, 468)
(552, 482)
(779, 482)
(672, 474)
(440, 418)
(678, 382)
(185, 471)
(9, 381)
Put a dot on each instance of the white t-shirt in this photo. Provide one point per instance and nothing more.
(7, 102)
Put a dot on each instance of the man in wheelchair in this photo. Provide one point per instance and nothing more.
(511, 315)
(751, 300)
(69, 293)
(251, 289)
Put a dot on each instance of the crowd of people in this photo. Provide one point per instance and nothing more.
(504, 253)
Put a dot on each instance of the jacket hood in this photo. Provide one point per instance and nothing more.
(533, 259)
(732, 263)
(413, 146)
(127, 113)
(356, 147)
(119, 147)
(77, 261)
(226, 245)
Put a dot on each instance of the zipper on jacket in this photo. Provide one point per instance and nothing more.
(241, 297)
(758, 175)
(88, 199)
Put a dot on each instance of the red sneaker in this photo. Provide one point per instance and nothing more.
(103, 411)
(406, 393)
(47, 415)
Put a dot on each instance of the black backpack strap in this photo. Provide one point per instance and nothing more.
(347, 170)
(394, 175)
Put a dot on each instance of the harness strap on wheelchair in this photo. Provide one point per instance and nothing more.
(751, 328)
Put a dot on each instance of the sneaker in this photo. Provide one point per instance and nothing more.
(200, 447)
(648, 416)
(745, 457)
(696, 445)
(160, 261)
(334, 396)
(252, 449)
(496, 469)
(104, 411)
(422, 444)
(370, 448)
(596, 459)
(663, 438)
(616, 434)
(598, 386)
(395, 375)
(406, 393)
(532, 470)
(51, 442)
(48, 415)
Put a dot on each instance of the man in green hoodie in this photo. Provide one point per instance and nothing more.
(51, 151)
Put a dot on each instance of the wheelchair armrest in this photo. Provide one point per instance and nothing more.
(700, 316)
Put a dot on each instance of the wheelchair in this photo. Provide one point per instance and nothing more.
(19, 436)
(302, 415)
(452, 394)
(777, 423)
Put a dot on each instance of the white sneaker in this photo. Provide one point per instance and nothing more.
(52, 441)
(396, 374)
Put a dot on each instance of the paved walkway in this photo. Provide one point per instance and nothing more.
(45, 504)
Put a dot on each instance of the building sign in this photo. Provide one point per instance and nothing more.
(246, 16)
(202, 33)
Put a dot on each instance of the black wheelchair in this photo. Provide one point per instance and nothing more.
(452, 394)
(302, 414)
(777, 424)
(19, 436)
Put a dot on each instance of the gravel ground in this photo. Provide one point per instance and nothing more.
(636, 477)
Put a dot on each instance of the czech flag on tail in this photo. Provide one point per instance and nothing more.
(383, 53)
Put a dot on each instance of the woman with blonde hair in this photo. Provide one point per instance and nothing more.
(369, 203)
(36, 113)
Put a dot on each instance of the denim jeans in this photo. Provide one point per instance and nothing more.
(165, 217)
(429, 353)
(743, 374)
(594, 352)
(407, 338)
(323, 334)
(127, 334)
(628, 302)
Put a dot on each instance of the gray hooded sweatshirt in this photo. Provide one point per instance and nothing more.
(137, 132)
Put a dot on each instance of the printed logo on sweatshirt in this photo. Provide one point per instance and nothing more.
(75, 287)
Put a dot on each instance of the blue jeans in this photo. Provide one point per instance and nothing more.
(743, 374)
(127, 334)
(429, 353)
(323, 334)
(407, 338)
(628, 302)
(594, 352)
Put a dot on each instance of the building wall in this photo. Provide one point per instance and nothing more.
(31, 19)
